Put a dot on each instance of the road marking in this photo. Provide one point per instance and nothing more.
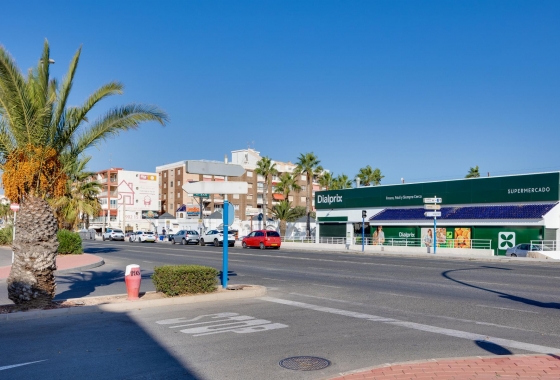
(221, 323)
(398, 295)
(273, 279)
(507, 308)
(417, 326)
(328, 286)
(19, 365)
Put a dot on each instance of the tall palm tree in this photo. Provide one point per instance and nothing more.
(267, 169)
(473, 173)
(80, 199)
(308, 164)
(41, 137)
(341, 182)
(326, 180)
(287, 184)
(284, 212)
(369, 176)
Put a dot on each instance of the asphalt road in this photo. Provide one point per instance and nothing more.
(356, 311)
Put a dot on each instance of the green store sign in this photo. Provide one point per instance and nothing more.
(521, 188)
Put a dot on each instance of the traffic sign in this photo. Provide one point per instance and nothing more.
(432, 207)
(202, 195)
(432, 214)
(231, 214)
(209, 187)
(214, 168)
(432, 200)
(14, 207)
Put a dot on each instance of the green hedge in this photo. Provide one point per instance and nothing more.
(69, 243)
(6, 235)
(174, 280)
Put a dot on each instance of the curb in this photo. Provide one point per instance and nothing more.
(84, 267)
(255, 291)
(413, 362)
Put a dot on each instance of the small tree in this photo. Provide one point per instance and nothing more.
(284, 212)
(267, 169)
(473, 173)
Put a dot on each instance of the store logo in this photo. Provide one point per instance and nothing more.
(529, 190)
(329, 199)
(506, 240)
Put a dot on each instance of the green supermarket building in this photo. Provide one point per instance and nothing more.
(492, 212)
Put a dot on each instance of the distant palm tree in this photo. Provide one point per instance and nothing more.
(341, 182)
(326, 180)
(308, 164)
(267, 169)
(41, 137)
(287, 184)
(284, 212)
(473, 173)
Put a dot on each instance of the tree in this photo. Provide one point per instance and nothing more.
(308, 164)
(341, 182)
(284, 212)
(473, 173)
(326, 180)
(80, 199)
(41, 137)
(287, 184)
(267, 169)
(369, 176)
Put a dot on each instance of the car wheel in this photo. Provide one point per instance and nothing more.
(183, 242)
(130, 239)
(103, 237)
(513, 255)
(202, 244)
(244, 245)
(261, 245)
(232, 244)
(111, 238)
(216, 243)
(173, 240)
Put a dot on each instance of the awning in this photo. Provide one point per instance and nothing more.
(278, 197)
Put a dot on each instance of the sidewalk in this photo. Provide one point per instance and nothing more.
(64, 264)
(545, 367)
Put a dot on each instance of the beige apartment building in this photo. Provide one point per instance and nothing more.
(172, 197)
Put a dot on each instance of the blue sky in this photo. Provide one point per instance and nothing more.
(422, 90)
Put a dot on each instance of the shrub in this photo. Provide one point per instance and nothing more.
(69, 243)
(6, 235)
(173, 280)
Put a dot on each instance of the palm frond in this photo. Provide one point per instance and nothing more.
(66, 88)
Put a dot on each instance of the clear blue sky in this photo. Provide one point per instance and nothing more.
(420, 89)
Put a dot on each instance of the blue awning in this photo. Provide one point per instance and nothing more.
(536, 211)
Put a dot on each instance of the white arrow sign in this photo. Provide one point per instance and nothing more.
(432, 200)
(213, 168)
(210, 187)
(432, 214)
(432, 207)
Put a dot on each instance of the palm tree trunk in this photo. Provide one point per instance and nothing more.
(265, 198)
(31, 282)
(283, 228)
(307, 205)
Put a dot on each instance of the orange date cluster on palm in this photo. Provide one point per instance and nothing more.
(33, 170)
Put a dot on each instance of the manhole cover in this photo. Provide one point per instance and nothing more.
(304, 363)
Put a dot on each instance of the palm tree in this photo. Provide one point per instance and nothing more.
(369, 176)
(308, 164)
(341, 182)
(473, 173)
(287, 184)
(41, 137)
(326, 180)
(284, 212)
(80, 199)
(267, 169)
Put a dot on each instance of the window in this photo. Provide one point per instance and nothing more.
(235, 196)
(165, 186)
(178, 171)
(171, 184)
(249, 197)
(249, 174)
(236, 207)
(302, 199)
(179, 183)
(272, 234)
(103, 201)
(164, 196)
(290, 198)
(178, 195)
(303, 188)
(304, 177)
(113, 203)
(164, 174)
(171, 206)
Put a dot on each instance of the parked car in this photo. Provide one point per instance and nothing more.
(185, 237)
(521, 250)
(262, 239)
(113, 234)
(216, 237)
(142, 237)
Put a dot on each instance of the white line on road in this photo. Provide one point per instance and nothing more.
(399, 295)
(507, 308)
(328, 286)
(417, 326)
(19, 365)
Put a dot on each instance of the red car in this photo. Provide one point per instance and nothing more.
(262, 239)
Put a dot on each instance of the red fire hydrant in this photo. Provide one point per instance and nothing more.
(132, 278)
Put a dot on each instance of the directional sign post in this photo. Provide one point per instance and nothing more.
(208, 187)
(432, 204)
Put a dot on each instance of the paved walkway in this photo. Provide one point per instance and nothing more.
(545, 367)
(65, 263)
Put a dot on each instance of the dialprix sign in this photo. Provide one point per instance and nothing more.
(522, 188)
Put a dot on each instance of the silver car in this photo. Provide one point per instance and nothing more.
(113, 234)
(184, 237)
(521, 250)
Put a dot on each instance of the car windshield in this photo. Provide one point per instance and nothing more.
(118, 231)
(149, 233)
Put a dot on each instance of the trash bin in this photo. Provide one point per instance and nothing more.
(132, 278)
(160, 237)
